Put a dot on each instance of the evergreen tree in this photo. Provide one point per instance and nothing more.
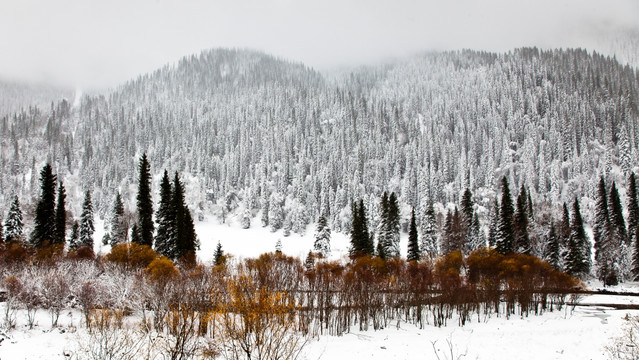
(520, 224)
(383, 228)
(309, 262)
(393, 226)
(144, 204)
(577, 262)
(119, 228)
(87, 227)
(635, 256)
(166, 237)
(367, 239)
(245, 221)
(185, 240)
(218, 257)
(60, 217)
(633, 205)
(493, 230)
(322, 242)
(467, 207)
(14, 224)
(191, 242)
(413, 253)
(616, 217)
(531, 215)
(454, 232)
(135, 234)
(601, 229)
(265, 211)
(551, 253)
(474, 239)
(604, 237)
(361, 243)
(564, 226)
(74, 239)
(106, 239)
(563, 234)
(44, 230)
(380, 251)
(278, 247)
(428, 245)
(356, 230)
(505, 241)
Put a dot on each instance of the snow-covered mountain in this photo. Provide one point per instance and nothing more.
(253, 135)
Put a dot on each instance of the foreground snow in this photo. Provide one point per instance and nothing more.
(581, 333)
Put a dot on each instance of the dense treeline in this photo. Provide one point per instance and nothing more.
(255, 135)
(446, 135)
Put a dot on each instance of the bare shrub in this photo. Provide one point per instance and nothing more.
(87, 298)
(14, 289)
(55, 291)
(105, 341)
(31, 299)
(626, 346)
(258, 323)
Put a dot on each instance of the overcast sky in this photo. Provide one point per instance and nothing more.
(94, 44)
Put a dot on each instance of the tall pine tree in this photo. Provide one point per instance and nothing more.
(467, 207)
(505, 242)
(633, 205)
(493, 230)
(186, 240)
(119, 226)
(520, 224)
(361, 243)
(60, 217)
(393, 226)
(383, 228)
(635, 256)
(577, 259)
(616, 217)
(601, 229)
(429, 244)
(87, 227)
(166, 237)
(413, 253)
(144, 204)
(44, 230)
(552, 250)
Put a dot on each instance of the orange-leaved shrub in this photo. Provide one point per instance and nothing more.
(132, 255)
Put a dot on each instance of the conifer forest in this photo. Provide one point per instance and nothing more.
(511, 175)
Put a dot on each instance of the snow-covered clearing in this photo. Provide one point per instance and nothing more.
(581, 333)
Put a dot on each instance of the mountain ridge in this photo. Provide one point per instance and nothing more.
(275, 137)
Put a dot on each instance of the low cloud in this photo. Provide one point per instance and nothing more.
(96, 44)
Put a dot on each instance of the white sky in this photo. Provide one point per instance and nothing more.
(102, 43)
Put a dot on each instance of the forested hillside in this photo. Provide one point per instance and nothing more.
(260, 138)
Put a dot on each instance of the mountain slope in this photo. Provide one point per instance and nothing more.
(253, 134)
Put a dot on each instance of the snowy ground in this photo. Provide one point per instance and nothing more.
(581, 333)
